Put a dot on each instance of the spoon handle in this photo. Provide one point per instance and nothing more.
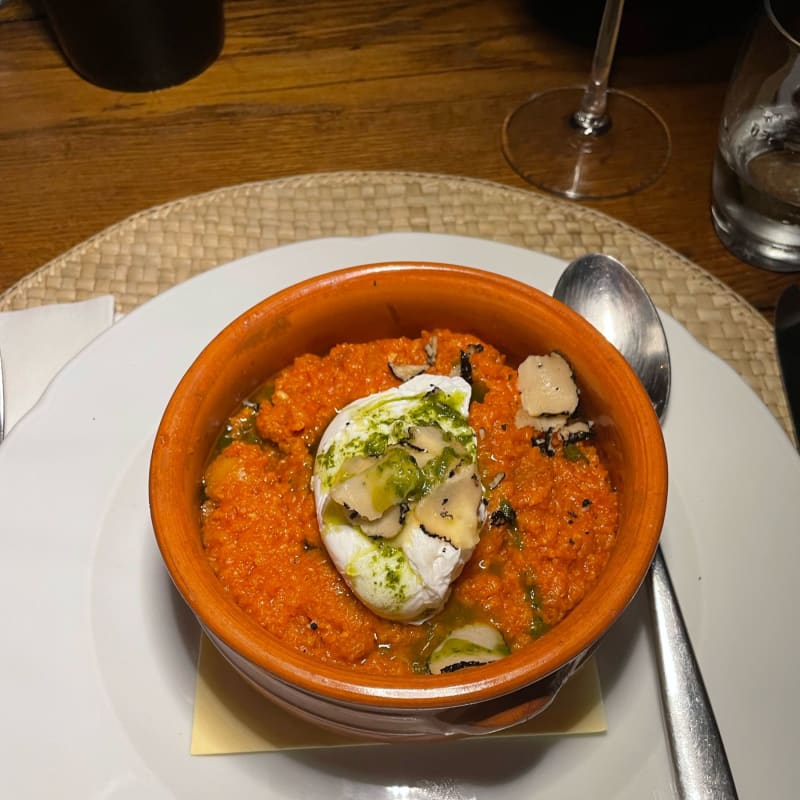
(701, 766)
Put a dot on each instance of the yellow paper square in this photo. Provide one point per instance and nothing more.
(232, 717)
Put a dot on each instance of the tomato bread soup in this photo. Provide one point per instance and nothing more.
(545, 508)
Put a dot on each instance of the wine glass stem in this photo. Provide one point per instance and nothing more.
(592, 118)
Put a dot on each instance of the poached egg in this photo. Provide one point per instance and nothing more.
(398, 498)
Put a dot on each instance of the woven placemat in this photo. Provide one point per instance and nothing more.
(157, 248)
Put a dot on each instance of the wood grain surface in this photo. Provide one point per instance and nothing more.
(420, 85)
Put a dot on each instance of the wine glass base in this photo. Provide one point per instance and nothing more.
(544, 146)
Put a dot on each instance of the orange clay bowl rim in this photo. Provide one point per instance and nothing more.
(483, 302)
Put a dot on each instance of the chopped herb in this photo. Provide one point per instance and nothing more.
(479, 389)
(392, 577)
(574, 453)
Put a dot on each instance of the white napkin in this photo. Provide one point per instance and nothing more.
(35, 343)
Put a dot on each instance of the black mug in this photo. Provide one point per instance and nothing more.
(647, 27)
(138, 45)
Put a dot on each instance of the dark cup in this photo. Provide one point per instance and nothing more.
(138, 45)
(647, 27)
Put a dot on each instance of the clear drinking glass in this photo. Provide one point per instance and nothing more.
(588, 141)
(755, 192)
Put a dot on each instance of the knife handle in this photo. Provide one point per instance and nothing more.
(702, 771)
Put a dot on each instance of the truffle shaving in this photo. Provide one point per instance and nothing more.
(405, 372)
(468, 646)
(546, 386)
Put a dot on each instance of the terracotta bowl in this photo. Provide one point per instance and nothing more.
(388, 300)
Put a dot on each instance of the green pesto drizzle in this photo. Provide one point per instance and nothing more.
(241, 427)
(389, 563)
(386, 425)
(538, 626)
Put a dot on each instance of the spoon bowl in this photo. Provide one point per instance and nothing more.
(605, 293)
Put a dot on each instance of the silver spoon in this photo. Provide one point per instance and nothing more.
(606, 294)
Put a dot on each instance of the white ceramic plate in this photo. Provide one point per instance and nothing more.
(98, 672)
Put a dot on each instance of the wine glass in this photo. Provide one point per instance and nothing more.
(588, 142)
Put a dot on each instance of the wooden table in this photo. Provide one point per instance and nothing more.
(335, 85)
